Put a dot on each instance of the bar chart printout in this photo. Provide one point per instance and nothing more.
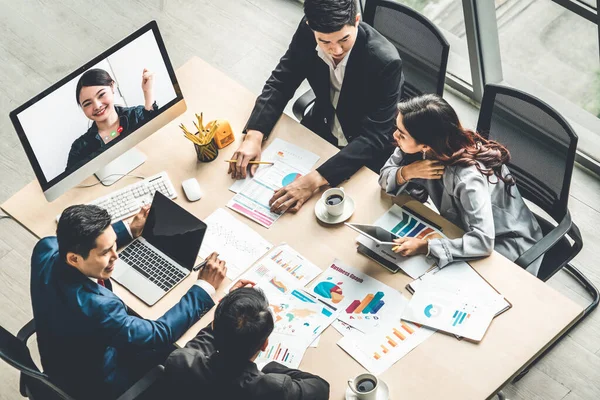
(380, 349)
(452, 307)
(286, 258)
(282, 350)
(364, 302)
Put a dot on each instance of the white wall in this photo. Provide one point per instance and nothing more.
(53, 123)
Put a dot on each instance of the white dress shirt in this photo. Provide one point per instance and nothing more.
(336, 79)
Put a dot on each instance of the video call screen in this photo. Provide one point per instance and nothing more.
(99, 107)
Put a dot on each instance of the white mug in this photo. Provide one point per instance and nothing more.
(357, 385)
(334, 209)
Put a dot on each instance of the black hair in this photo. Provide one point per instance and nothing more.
(327, 16)
(431, 121)
(242, 323)
(78, 228)
(93, 77)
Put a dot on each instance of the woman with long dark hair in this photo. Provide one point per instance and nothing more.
(467, 180)
(95, 95)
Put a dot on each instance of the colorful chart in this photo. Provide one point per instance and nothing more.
(395, 336)
(432, 311)
(279, 285)
(459, 317)
(329, 290)
(289, 178)
(289, 264)
(371, 304)
(278, 352)
(411, 227)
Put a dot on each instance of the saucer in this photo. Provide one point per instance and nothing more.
(325, 217)
(383, 393)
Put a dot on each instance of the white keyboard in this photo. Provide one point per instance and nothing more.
(127, 201)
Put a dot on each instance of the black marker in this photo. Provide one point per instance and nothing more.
(202, 264)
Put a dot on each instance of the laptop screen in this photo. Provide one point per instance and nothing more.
(174, 231)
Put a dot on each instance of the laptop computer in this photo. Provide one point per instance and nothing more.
(165, 253)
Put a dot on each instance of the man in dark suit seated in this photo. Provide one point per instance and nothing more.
(90, 345)
(356, 75)
(219, 362)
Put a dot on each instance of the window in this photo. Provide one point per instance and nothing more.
(551, 52)
(548, 48)
(448, 16)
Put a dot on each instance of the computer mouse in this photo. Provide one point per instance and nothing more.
(192, 190)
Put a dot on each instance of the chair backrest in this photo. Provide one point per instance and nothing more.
(422, 47)
(541, 143)
(16, 354)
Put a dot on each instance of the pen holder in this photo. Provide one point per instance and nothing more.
(207, 152)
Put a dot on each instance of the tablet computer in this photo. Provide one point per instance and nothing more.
(375, 233)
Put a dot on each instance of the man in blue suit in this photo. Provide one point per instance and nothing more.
(90, 345)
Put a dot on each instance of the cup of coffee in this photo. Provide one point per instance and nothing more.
(334, 201)
(364, 386)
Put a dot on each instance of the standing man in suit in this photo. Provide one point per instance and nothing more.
(356, 75)
(89, 344)
(219, 362)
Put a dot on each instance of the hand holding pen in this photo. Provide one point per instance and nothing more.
(212, 270)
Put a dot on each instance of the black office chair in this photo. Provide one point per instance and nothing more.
(422, 47)
(542, 146)
(36, 385)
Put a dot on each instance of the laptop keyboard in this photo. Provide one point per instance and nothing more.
(154, 267)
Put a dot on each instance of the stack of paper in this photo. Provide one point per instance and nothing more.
(363, 302)
(237, 244)
(252, 199)
(383, 347)
(299, 318)
(280, 150)
(452, 306)
(462, 272)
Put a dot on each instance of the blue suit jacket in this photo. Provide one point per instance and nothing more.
(84, 331)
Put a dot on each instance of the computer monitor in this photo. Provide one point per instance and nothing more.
(90, 121)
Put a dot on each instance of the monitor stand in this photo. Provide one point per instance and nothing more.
(121, 166)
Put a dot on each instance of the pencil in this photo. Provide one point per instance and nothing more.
(254, 162)
(395, 248)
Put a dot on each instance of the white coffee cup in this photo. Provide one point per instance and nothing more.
(364, 386)
(334, 200)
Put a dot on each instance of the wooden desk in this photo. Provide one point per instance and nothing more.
(441, 367)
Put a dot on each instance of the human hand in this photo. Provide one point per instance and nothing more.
(294, 195)
(424, 169)
(214, 271)
(242, 283)
(409, 246)
(249, 150)
(147, 80)
(139, 221)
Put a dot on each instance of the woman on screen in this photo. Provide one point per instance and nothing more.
(95, 95)
(467, 180)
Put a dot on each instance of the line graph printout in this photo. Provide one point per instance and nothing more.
(237, 244)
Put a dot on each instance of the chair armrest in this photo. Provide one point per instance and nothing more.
(143, 384)
(26, 331)
(300, 106)
(546, 243)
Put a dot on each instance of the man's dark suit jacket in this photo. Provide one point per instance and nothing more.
(367, 104)
(87, 340)
(198, 371)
